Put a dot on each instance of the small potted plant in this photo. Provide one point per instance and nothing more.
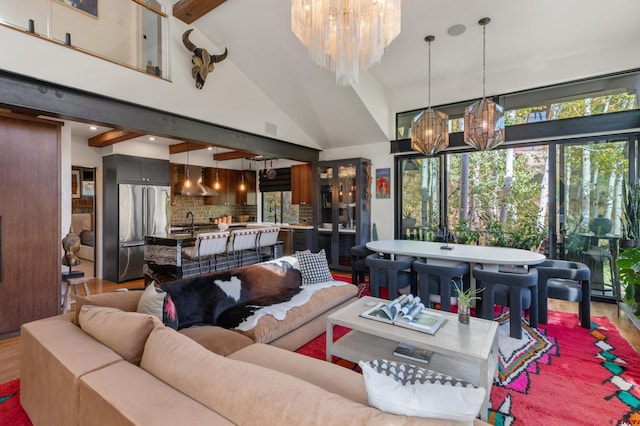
(464, 301)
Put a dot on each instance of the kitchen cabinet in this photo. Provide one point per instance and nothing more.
(342, 208)
(229, 192)
(302, 184)
(302, 239)
(139, 170)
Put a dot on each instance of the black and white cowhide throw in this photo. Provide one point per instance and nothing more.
(226, 298)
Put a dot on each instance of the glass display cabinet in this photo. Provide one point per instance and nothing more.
(343, 208)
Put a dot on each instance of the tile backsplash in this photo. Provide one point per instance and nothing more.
(202, 213)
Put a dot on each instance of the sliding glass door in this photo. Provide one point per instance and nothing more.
(590, 183)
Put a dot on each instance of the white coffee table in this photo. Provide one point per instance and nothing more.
(466, 351)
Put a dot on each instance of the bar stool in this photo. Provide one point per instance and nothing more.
(74, 283)
(208, 245)
(242, 240)
(438, 279)
(267, 238)
(516, 290)
(395, 274)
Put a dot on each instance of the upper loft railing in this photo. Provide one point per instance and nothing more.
(132, 33)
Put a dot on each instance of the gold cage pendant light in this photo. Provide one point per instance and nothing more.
(430, 129)
(484, 120)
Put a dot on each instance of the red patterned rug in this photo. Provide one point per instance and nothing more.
(11, 413)
(558, 374)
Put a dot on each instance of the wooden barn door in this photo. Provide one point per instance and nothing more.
(30, 247)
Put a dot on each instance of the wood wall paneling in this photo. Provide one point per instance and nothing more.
(30, 210)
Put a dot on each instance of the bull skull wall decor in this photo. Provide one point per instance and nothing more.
(202, 61)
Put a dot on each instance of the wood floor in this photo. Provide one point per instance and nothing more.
(10, 347)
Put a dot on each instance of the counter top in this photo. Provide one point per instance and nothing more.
(281, 225)
(170, 237)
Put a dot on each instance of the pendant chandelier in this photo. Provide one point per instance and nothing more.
(430, 129)
(346, 36)
(484, 120)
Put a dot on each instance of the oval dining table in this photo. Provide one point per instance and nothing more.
(490, 257)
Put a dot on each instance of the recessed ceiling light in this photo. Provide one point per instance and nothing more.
(151, 138)
(456, 30)
(93, 128)
(210, 148)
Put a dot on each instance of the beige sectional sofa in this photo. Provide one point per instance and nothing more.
(106, 364)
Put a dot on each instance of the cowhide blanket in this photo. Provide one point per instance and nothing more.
(226, 298)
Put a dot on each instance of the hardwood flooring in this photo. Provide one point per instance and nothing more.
(10, 347)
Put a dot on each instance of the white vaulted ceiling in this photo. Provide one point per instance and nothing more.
(529, 44)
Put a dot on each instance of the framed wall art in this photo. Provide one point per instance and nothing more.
(75, 184)
(383, 183)
(89, 7)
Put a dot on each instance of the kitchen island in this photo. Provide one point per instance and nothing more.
(163, 257)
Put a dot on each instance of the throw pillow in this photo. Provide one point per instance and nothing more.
(405, 389)
(124, 332)
(314, 267)
(154, 301)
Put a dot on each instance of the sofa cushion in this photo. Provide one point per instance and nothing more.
(203, 299)
(328, 376)
(124, 332)
(124, 300)
(401, 388)
(123, 394)
(314, 267)
(248, 394)
(217, 339)
(269, 328)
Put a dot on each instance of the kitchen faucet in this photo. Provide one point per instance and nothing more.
(192, 230)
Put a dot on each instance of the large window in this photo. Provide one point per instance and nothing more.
(502, 194)
(277, 207)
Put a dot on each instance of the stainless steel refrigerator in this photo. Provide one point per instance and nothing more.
(143, 210)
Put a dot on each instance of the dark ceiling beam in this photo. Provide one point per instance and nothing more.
(112, 137)
(186, 147)
(23, 93)
(189, 11)
(232, 155)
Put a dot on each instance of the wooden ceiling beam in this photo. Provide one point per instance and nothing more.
(232, 155)
(189, 11)
(112, 137)
(186, 147)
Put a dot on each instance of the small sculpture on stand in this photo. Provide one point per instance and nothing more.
(71, 245)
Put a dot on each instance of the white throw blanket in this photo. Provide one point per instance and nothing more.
(279, 310)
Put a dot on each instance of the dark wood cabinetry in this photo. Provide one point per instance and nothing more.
(141, 170)
(229, 192)
(342, 206)
(30, 248)
(302, 184)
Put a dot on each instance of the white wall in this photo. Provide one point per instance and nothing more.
(227, 98)
(382, 210)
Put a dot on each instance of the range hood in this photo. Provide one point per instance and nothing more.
(192, 185)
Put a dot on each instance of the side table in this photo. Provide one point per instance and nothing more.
(73, 281)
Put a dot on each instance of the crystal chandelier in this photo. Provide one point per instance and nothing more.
(430, 130)
(484, 120)
(346, 36)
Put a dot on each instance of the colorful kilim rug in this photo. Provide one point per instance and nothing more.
(557, 374)
(11, 413)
